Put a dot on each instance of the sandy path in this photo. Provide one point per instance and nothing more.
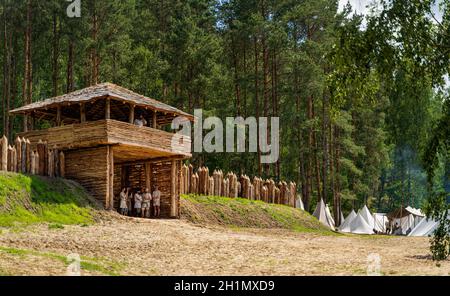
(173, 247)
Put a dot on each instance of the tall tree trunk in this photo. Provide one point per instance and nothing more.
(70, 61)
(275, 103)
(337, 209)
(55, 65)
(316, 159)
(255, 41)
(94, 53)
(27, 81)
(324, 147)
(237, 86)
(6, 76)
(309, 166)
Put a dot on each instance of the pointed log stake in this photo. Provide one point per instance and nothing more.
(62, 165)
(4, 154)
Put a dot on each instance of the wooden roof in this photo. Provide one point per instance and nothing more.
(103, 90)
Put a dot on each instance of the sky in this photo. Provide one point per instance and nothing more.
(360, 6)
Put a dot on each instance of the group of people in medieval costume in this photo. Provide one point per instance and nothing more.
(140, 203)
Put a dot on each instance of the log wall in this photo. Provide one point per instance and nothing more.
(89, 167)
(232, 185)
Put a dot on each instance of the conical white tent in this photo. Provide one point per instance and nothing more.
(321, 214)
(380, 222)
(365, 213)
(330, 217)
(299, 203)
(360, 226)
(342, 218)
(424, 228)
(345, 226)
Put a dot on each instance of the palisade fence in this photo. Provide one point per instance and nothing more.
(22, 157)
(230, 185)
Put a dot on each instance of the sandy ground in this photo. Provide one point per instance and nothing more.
(172, 247)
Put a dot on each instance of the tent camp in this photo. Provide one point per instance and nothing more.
(380, 220)
(425, 227)
(321, 214)
(299, 203)
(360, 226)
(365, 213)
(345, 226)
(407, 218)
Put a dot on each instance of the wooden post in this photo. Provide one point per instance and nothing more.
(108, 109)
(62, 165)
(58, 115)
(33, 163)
(23, 159)
(4, 154)
(109, 202)
(131, 117)
(41, 150)
(154, 122)
(18, 160)
(82, 112)
(28, 149)
(173, 190)
(148, 170)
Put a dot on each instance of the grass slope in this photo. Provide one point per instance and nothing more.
(239, 212)
(33, 199)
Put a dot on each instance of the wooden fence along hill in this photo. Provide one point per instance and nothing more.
(21, 157)
(230, 185)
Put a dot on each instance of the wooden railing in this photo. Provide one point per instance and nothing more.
(230, 185)
(21, 157)
(105, 132)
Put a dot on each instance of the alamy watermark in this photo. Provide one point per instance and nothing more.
(260, 135)
(374, 265)
(74, 8)
(74, 267)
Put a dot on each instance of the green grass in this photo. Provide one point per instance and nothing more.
(27, 199)
(102, 266)
(238, 213)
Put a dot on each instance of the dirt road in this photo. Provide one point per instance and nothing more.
(173, 247)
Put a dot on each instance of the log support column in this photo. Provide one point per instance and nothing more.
(58, 115)
(173, 190)
(109, 199)
(154, 123)
(108, 109)
(148, 176)
(82, 112)
(131, 116)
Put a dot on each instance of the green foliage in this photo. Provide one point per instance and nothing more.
(34, 199)
(240, 212)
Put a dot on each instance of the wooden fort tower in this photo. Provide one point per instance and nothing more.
(104, 150)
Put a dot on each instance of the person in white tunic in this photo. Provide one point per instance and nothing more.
(123, 206)
(137, 203)
(156, 195)
(147, 198)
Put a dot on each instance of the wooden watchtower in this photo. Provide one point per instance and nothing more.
(105, 150)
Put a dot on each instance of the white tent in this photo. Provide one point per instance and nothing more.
(342, 217)
(321, 214)
(327, 209)
(299, 203)
(425, 227)
(360, 226)
(406, 223)
(345, 226)
(380, 222)
(365, 213)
